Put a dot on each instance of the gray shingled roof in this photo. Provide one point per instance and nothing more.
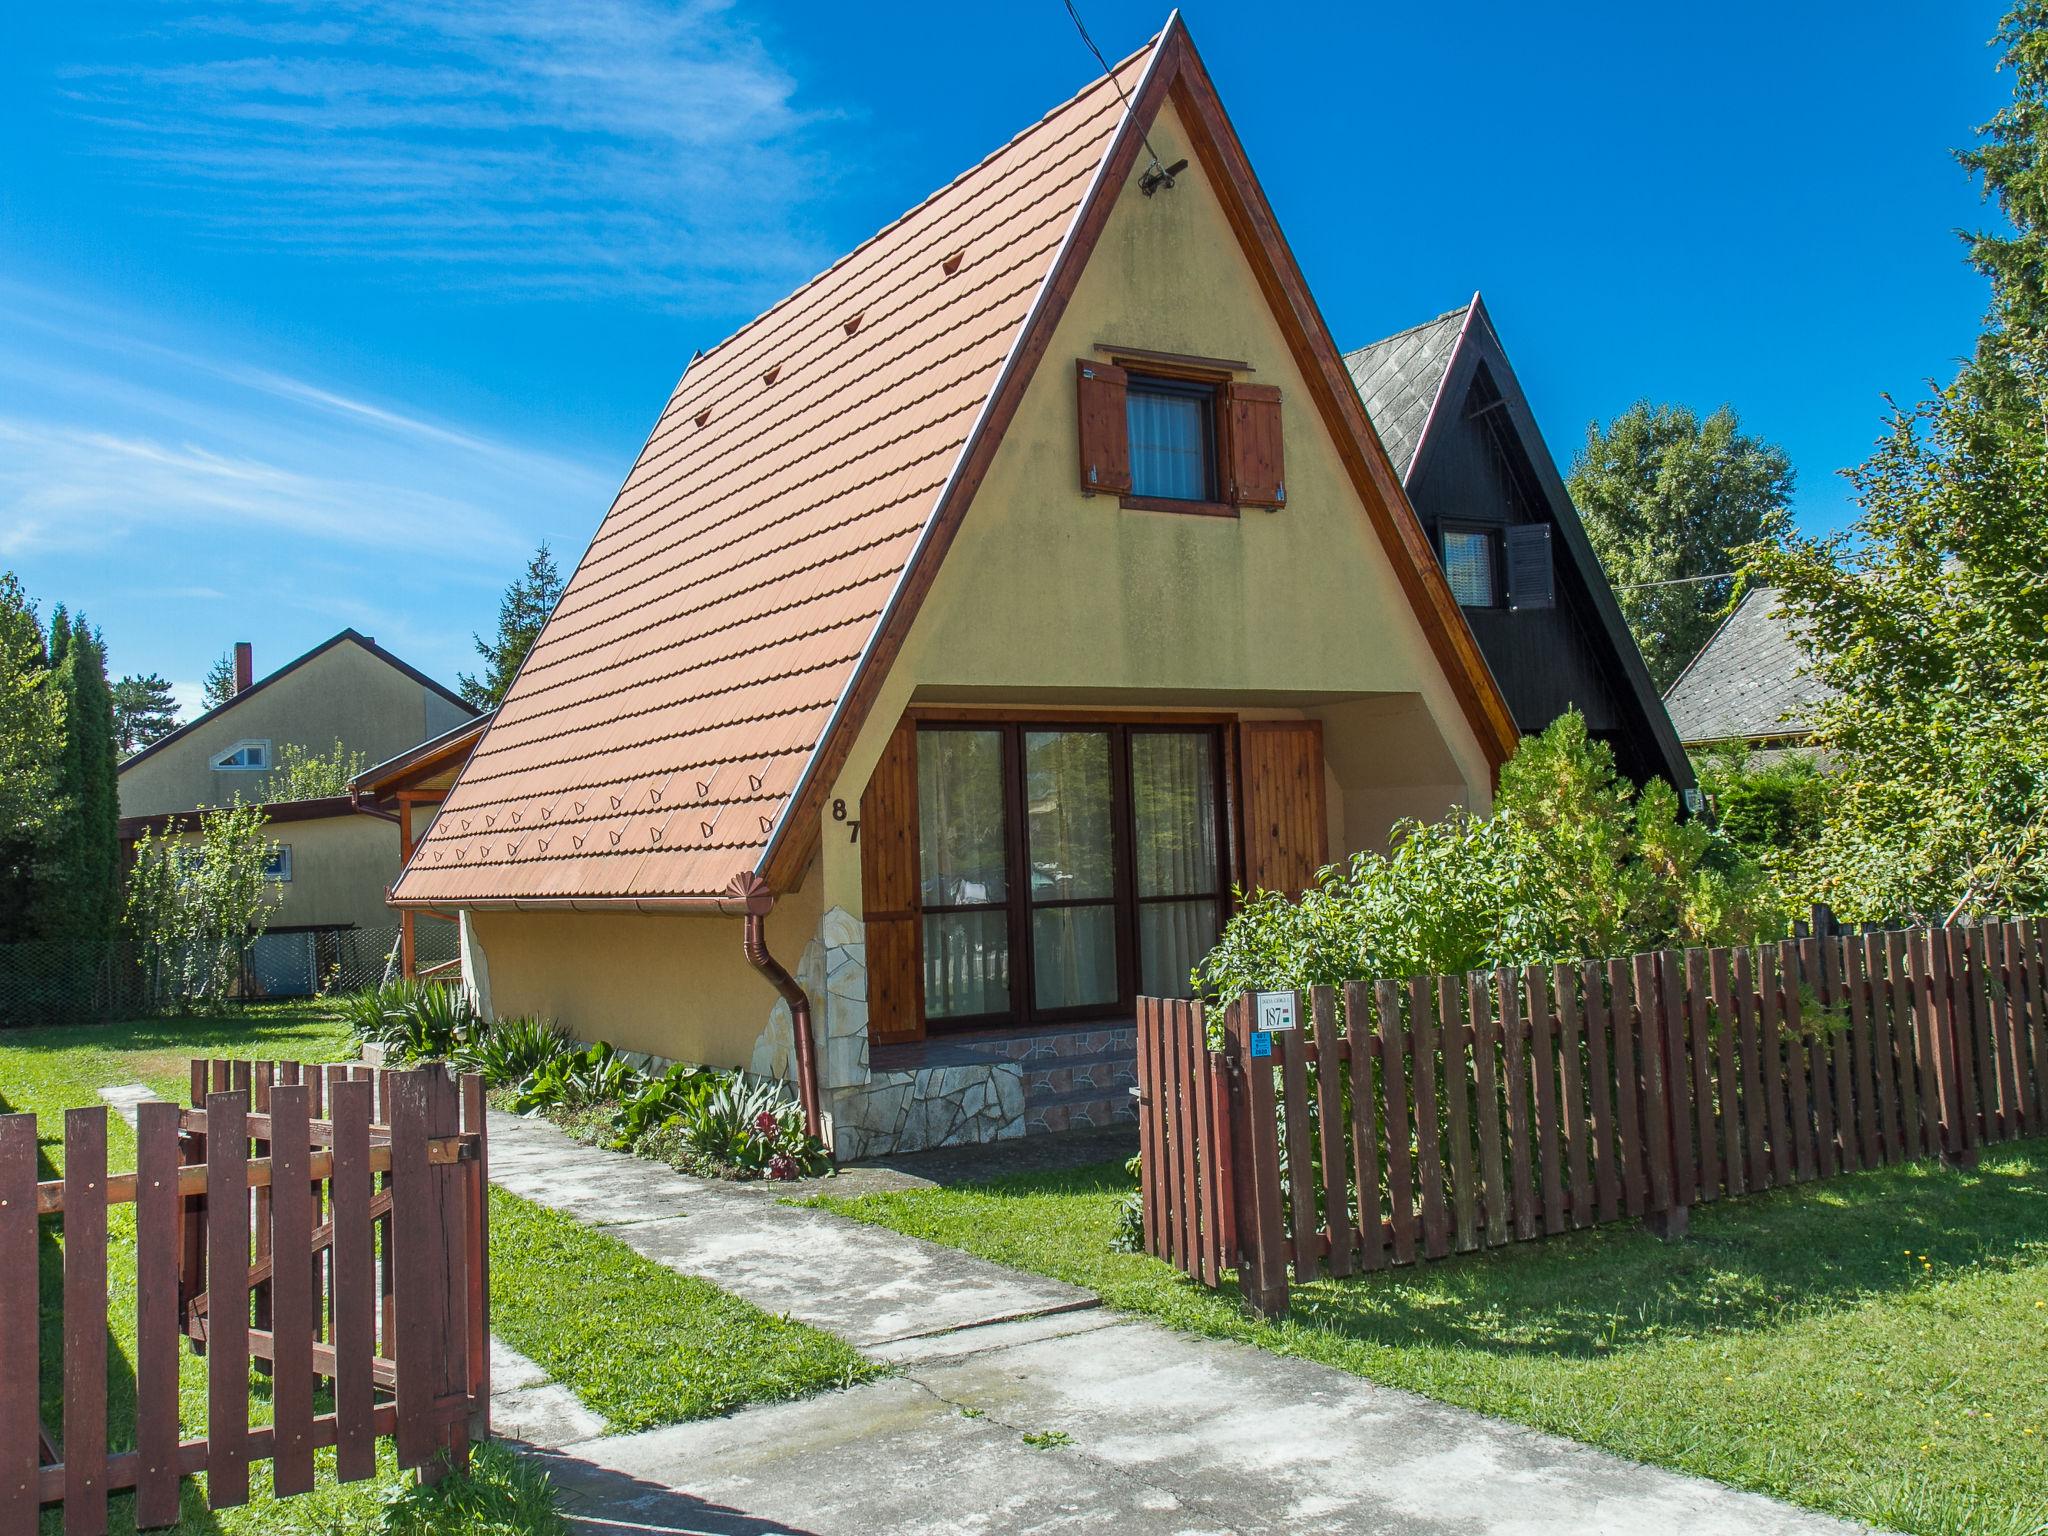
(1748, 682)
(1398, 379)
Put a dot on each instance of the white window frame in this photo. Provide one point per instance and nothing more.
(222, 765)
(281, 856)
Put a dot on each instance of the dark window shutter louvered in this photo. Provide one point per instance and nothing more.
(889, 892)
(1258, 467)
(1531, 580)
(1105, 432)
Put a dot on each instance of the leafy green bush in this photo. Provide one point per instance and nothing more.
(577, 1079)
(1573, 863)
(751, 1128)
(414, 1020)
(677, 1094)
(512, 1050)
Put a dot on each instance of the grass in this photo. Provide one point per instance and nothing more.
(1875, 1346)
(637, 1342)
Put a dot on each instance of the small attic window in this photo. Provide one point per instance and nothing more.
(854, 324)
(772, 374)
(244, 757)
(703, 417)
(952, 263)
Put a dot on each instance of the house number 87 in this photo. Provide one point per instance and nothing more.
(852, 825)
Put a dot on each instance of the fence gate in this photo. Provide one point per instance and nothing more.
(323, 1224)
(1409, 1120)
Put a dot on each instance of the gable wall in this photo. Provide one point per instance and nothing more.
(346, 694)
(1049, 596)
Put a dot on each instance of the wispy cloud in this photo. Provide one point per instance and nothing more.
(622, 145)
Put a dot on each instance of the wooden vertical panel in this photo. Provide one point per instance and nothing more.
(1256, 457)
(262, 1075)
(1677, 1077)
(1930, 1048)
(158, 1240)
(892, 892)
(1841, 1051)
(1186, 1064)
(1543, 1066)
(1103, 433)
(1905, 1062)
(1286, 831)
(1728, 1067)
(1149, 1153)
(1885, 1062)
(1756, 1115)
(2036, 947)
(354, 1282)
(477, 1266)
(1699, 1010)
(1656, 1103)
(1219, 1171)
(1869, 1106)
(85, 1321)
(411, 1260)
(2016, 1087)
(1458, 1114)
(1806, 1069)
(1169, 1141)
(227, 1300)
(1429, 1149)
(1983, 1037)
(1600, 1082)
(1486, 1106)
(1572, 1067)
(1260, 1218)
(1514, 1037)
(450, 1357)
(1950, 978)
(291, 1293)
(1301, 1169)
(1781, 1081)
(2001, 989)
(1358, 1031)
(1628, 1089)
(20, 1351)
(1394, 1090)
(1330, 1121)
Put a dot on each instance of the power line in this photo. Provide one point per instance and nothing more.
(1117, 85)
(1676, 581)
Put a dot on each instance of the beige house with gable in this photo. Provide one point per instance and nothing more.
(974, 623)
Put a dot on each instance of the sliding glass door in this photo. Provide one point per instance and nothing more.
(1066, 867)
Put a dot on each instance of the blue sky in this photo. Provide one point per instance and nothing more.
(319, 315)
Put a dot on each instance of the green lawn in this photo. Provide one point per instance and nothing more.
(1876, 1346)
(638, 1343)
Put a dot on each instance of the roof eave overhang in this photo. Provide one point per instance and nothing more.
(709, 906)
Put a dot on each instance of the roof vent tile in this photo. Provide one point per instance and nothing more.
(772, 374)
(854, 324)
(952, 263)
(703, 417)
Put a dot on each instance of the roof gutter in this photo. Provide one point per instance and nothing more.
(715, 906)
(759, 902)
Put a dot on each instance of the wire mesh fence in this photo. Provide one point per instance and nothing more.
(56, 982)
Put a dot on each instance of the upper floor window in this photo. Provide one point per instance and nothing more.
(1473, 566)
(245, 756)
(1172, 424)
(279, 865)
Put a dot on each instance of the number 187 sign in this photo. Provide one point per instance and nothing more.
(1273, 1011)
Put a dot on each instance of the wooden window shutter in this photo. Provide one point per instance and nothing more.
(1286, 838)
(1532, 581)
(1105, 429)
(1258, 467)
(889, 893)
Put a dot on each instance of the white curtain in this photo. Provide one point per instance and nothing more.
(1173, 788)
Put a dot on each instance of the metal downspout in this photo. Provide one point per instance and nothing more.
(759, 901)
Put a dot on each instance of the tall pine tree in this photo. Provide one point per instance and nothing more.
(77, 896)
(526, 606)
(144, 711)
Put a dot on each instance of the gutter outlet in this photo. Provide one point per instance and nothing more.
(751, 890)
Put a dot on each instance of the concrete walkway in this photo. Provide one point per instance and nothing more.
(1151, 1431)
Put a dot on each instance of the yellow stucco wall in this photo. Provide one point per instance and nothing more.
(674, 985)
(341, 867)
(1049, 596)
(345, 694)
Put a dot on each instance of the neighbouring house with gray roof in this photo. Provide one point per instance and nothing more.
(1750, 685)
(1454, 420)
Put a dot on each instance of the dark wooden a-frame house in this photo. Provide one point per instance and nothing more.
(1458, 428)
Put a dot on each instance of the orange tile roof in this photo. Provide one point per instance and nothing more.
(673, 701)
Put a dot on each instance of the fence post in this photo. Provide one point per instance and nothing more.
(1255, 1142)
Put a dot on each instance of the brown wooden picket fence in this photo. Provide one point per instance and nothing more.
(1407, 1121)
(372, 1182)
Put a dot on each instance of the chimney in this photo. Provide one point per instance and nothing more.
(245, 666)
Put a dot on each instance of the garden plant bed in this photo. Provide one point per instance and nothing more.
(1876, 1347)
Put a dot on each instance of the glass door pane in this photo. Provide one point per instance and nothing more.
(1179, 868)
(1069, 813)
(964, 873)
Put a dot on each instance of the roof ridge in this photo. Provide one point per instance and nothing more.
(1421, 325)
(929, 198)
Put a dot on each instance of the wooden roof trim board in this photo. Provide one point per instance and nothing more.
(1437, 400)
(1175, 71)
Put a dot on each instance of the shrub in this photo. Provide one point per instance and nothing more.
(512, 1050)
(1573, 863)
(414, 1020)
(576, 1080)
(753, 1128)
(661, 1101)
